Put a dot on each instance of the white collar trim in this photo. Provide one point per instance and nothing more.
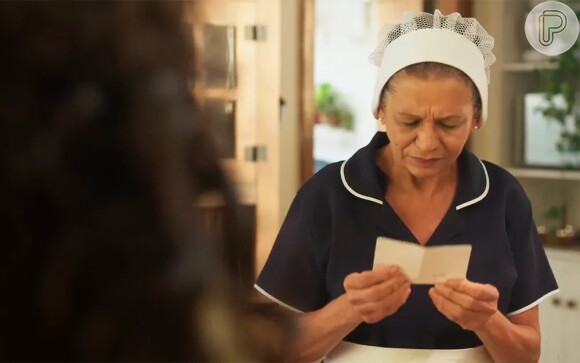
(485, 191)
(374, 200)
(358, 195)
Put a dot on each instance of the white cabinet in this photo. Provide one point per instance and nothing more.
(560, 313)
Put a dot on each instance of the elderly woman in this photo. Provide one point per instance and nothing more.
(418, 183)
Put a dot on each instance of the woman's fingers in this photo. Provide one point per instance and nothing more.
(467, 303)
(386, 282)
(380, 291)
(362, 280)
(464, 300)
(478, 291)
(372, 312)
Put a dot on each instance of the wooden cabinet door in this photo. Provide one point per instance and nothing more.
(560, 314)
(238, 86)
(552, 319)
(570, 301)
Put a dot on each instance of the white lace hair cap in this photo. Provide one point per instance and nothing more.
(422, 37)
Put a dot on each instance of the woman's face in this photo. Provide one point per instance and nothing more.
(428, 122)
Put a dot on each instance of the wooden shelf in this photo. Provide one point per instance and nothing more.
(528, 66)
(216, 93)
(545, 174)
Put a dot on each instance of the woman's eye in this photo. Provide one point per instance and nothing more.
(411, 123)
(448, 127)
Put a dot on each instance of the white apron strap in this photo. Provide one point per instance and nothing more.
(346, 352)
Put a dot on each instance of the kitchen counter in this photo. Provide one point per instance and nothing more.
(563, 252)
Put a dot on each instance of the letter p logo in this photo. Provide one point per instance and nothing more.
(552, 28)
(551, 22)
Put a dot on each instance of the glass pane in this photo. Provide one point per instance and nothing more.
(222, 114)
(546, 141)
(219, 60)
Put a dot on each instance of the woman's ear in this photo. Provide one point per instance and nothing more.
(381, 118)
(381, 121)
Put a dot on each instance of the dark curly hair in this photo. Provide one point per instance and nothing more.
(103, 155)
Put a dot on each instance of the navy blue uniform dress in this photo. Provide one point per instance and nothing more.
(331, 229)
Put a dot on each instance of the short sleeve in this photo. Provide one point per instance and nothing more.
(535, 279)
(294, 273)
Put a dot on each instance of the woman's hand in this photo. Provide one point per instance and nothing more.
(469, 304)
(377, 294)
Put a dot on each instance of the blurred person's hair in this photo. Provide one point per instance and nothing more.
(103, 153)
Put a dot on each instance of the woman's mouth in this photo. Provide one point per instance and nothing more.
(425, 162)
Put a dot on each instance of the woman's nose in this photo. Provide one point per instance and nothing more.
(427, 139)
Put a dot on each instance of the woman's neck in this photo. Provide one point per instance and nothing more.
(402, 181)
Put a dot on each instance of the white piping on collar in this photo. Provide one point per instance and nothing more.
(473, 201)
(358, 195)
(263, 292)
(374, 200)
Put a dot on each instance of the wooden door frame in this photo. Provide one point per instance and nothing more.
(267, 131)
(307, 112)
(463, 7)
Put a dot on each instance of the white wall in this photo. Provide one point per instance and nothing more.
(346, 34)
(344, 39)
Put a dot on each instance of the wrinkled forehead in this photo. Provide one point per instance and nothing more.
(444, 91)
(439, 74)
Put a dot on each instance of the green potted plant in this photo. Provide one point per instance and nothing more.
(332, 109)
